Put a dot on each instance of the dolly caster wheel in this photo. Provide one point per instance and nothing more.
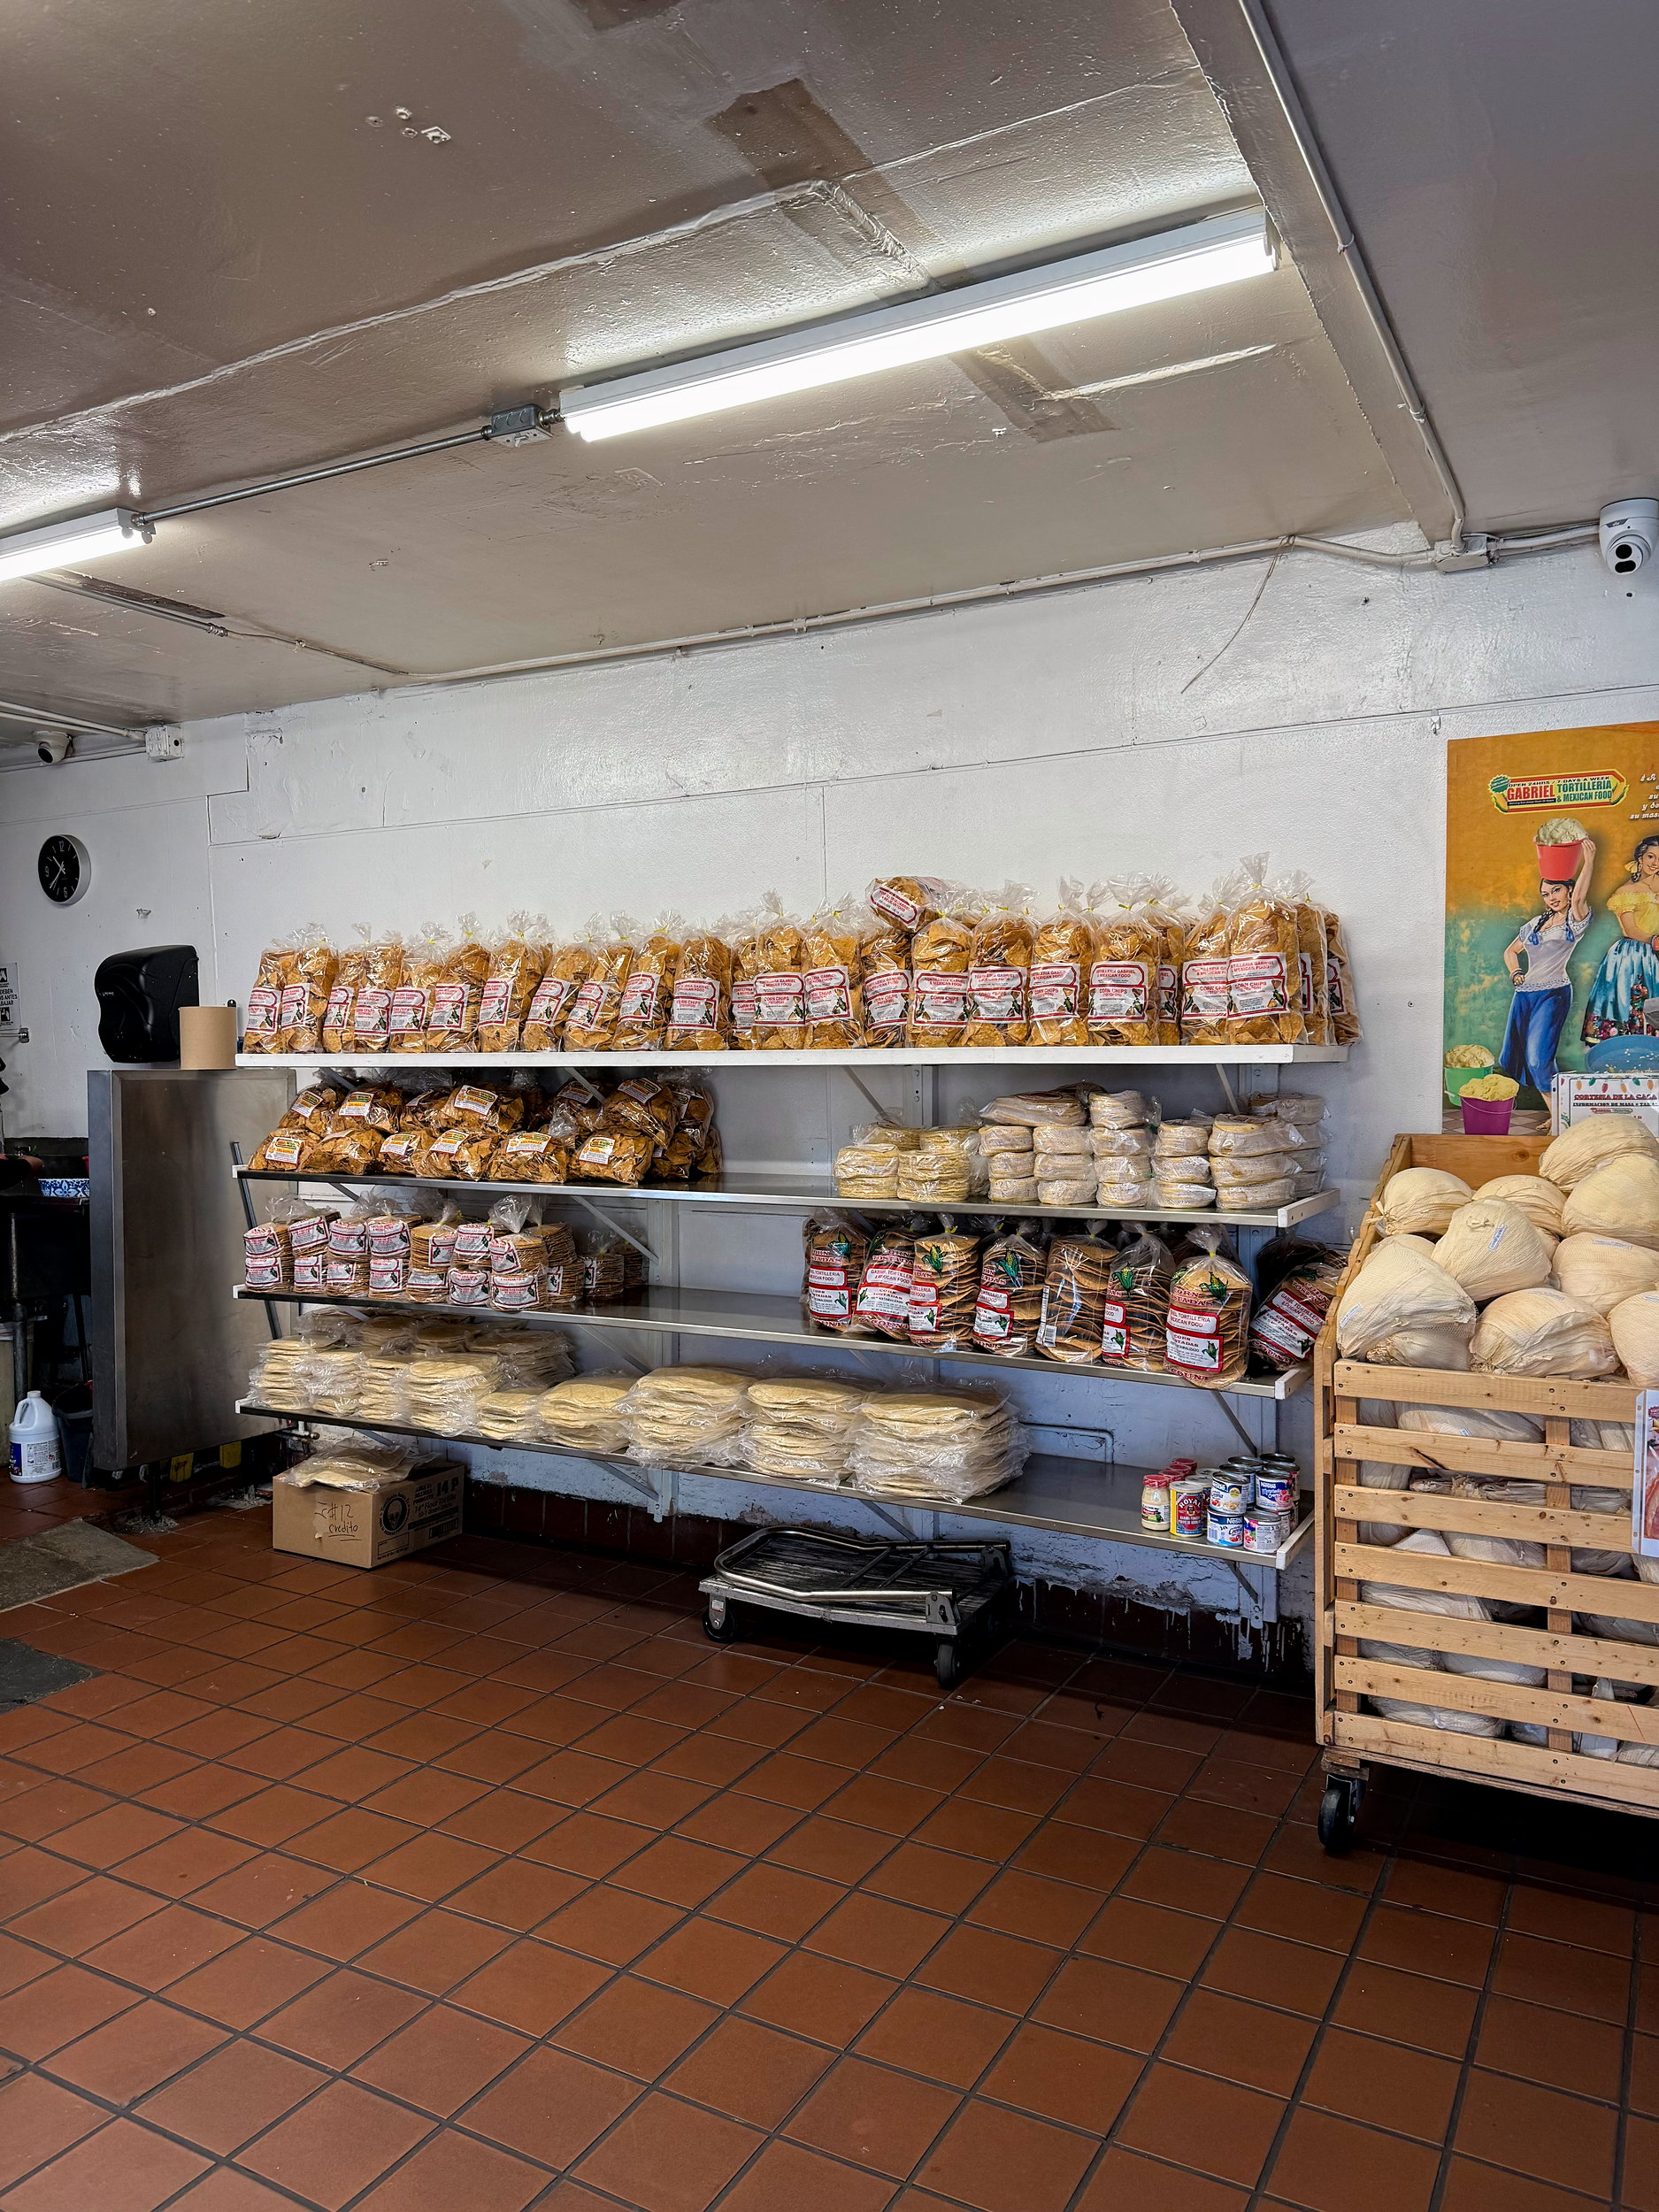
(1339, 1812)
(947, 1665)
(719, 1623)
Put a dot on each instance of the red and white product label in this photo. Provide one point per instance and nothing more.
(372, 1013)
(887, 997)
(428, 1282)
(472, 1240)
(992, 1314)
(516, 1287)
(553, 995)
(447, 1008)
(924, 1308)
(1258, 983)
(497, 998)
(780, 999)
(348, 1237)
(828, 994)
(1339, 989)
(264, 1011)
(1114, 1341)
(696, 1003)
(310, 1268)
(998, 994)
(1169, 992)
(399, 1149)
(389, 1273)
(469, 1099)
(1054, 990)
(440, 1249)
(941, 1000)
(409, 1010)
(345, 1275)
(339, 1008)
(589, 998)
(745, 1006)
(388, 1237)
(1284, 1321)
(265, 1270)
(639, 1001)
(262, 1237)
(293, 1009)
(895, 906)
(468, 1286)
(828, 1293)
(309, 1234)
(1205, 995)
(1193, 1342)
(1119, 990)
(885, 1288)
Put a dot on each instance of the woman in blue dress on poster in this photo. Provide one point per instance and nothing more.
(1624, 1000)
(1537, 961)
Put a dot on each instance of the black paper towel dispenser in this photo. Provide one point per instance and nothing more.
(139, 997)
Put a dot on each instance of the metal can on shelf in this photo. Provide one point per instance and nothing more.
(1275, 1491)
(1265, 1531)
(1155, 1503)
(1226, 1530)
(1189, 1505)
(1231, 1490)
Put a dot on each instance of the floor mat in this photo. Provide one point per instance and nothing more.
(36, 1567)
(26, 1674)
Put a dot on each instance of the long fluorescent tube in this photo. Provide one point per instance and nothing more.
(1220, 251)
(83, 538)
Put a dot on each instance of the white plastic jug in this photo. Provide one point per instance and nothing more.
(36, 1454)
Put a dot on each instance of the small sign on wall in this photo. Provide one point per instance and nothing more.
(10, 1015)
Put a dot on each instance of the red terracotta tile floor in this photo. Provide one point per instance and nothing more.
(484, 1883)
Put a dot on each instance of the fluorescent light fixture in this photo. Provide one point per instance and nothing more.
(1220, 251)
(84, 538)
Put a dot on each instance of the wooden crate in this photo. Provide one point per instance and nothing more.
(1354, 1738)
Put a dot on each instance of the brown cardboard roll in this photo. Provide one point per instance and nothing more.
(207, 1036)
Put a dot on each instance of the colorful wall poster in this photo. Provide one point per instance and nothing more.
(1644, 1527)
(1552, 905)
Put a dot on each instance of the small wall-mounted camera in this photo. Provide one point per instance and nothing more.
(1629, 534)
(53, 746)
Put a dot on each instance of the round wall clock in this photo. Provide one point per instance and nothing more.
(64, 869)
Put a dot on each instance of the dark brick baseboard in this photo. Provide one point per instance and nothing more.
(1276, 1654)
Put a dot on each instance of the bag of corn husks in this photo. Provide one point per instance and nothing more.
(1541, 1332)
(1491, 1246)
(1440, 1602)
(1634, 1327)
(1403, 1310)
(1420, 1201)
(1589, 1144)
(1539, 1201)
(1620, 1199)
(1603, 1271)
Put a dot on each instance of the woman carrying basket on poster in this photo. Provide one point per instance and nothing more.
(1624, 1000)
(1537, 961)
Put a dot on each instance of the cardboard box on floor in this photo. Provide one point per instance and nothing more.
(368, 1528)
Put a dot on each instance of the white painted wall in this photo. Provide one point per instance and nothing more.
(1081, 733)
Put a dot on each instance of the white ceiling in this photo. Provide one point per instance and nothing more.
(220, 267)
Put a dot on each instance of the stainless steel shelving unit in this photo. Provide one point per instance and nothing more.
(1075, 1497)
(958, 1057)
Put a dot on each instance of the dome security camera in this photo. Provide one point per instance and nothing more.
(53, 746)
(1629, 534)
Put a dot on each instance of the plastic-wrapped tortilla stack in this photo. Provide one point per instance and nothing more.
(279, 1380)
(935, 1446)
(945, 1168)
(869, 1166)
(581, 1413)
(446, 1395)
(801, 1428)
(533, 1359)
(507, 1414)
(384, 1395)
(685, 1413)
(332, 1381)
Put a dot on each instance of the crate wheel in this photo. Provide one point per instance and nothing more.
(1339, 1811)
(947, 1664)
(719, 1623)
